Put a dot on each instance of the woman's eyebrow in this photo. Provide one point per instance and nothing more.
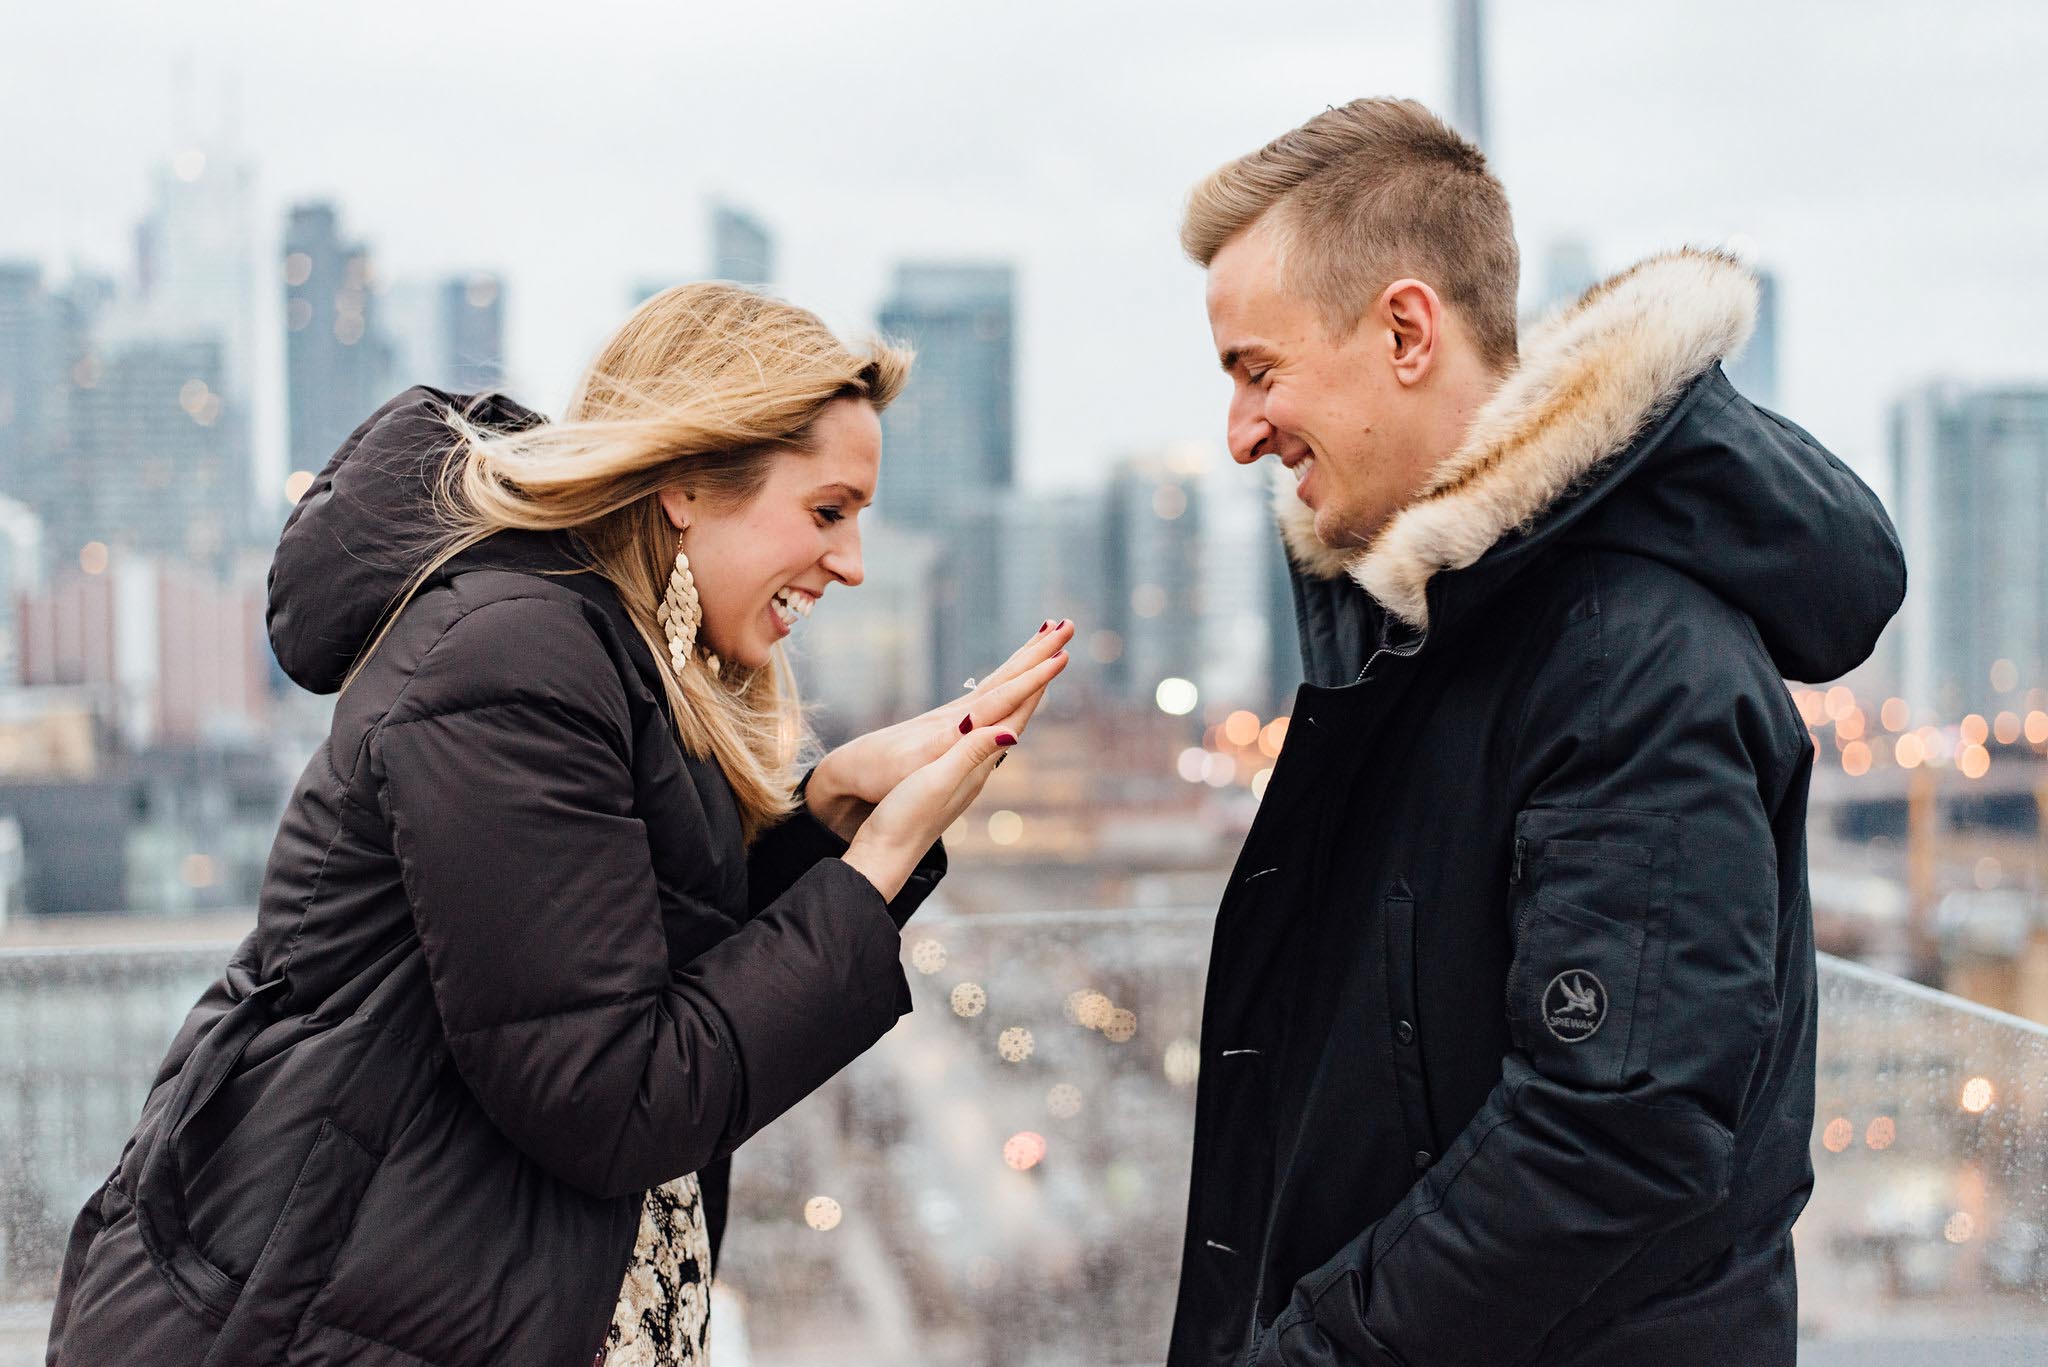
(845, 490)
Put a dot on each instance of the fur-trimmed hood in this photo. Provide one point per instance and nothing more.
(1618, 428)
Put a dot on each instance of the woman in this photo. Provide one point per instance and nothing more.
(545, 929)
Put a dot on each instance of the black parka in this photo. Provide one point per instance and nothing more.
(1508, 1046)
(512, 967)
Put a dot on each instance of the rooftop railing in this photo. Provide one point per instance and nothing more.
(1002, 1180)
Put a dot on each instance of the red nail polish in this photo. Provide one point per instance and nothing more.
(1042, 626)
(1063, 621)
(966, 725)
(1005, 739)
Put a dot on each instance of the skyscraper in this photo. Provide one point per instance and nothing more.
(197, 267)
(155, 459)
(27, 375)
(338, 363)
(1152, 578)
(1970, 483)
(448, 332)
(1468, 70)
(951, 436)
(742, 249)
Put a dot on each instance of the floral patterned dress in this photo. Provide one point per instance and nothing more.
(664, 1310)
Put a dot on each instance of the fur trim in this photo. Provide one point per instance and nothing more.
(1592, 378)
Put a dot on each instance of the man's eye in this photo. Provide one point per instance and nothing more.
(1256, 376)
(829, 514)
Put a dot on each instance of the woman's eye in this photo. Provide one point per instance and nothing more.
(829, 514)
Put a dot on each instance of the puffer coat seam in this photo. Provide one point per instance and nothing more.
(332, 1327)
(318, 881)
(554, 1012)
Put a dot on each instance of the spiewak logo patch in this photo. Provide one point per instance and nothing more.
(1574, 1005)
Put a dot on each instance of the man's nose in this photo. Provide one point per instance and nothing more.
(1248, 431)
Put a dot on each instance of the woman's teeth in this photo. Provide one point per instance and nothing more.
(790, 604)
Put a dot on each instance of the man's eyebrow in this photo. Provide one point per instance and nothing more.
(1232, 358)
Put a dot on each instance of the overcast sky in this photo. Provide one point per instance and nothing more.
(1885, 155)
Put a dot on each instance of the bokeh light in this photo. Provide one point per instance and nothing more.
(1063, 1100)
(822, 1213)
(1839, 1134)
(1978, 1095)
(928, 956)
(1176, 696)
(969, 1000)
(1015, 1044)
(1024, 1150)
(1880, 1133)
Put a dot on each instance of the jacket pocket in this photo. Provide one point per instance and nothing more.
(1572, 992)
(300, 1250)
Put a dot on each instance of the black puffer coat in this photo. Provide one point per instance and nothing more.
(1508, 1048)
(512, 968)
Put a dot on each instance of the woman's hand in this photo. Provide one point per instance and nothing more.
(849, 783)
(903, 826)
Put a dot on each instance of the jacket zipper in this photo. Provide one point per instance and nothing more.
(1522, 917)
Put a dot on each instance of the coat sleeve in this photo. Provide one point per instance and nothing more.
(790, 848)
(506, 779)
(1656, 741)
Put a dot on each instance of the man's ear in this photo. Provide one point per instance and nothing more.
(1412, 318)
(676, 502)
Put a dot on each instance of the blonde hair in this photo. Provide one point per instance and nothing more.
(1363, 195)
(702, 387)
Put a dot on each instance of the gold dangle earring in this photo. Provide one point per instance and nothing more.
(680, 614)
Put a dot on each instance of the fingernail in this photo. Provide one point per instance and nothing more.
(966, 724)
(1005, 739)
(1000, 758)
(1063, 621)
(1042, 626)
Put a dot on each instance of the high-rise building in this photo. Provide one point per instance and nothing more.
(1236, 661)
(951, 435)
(154, 458)
(27, 375)
(448, 332)
(742, 248)
(1152, 573)
(1755, 372)
(198, 267)
(1969, 485)
(1468, 70)
(338, 362)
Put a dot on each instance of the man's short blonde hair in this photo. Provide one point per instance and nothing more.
(1363, 196)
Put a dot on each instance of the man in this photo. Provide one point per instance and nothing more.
(1508, 1046)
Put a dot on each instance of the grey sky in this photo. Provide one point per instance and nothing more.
(1886, 155)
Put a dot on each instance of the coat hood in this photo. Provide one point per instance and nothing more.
(363, 528)
(1619, 431)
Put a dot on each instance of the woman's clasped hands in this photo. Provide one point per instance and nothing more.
(893, 792)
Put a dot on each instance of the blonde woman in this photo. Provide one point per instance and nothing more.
(548, 930)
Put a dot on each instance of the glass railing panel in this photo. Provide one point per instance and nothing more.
(1003, 1179)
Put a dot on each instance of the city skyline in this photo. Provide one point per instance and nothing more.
(1085, 198)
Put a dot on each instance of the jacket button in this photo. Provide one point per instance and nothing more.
(1423, 1158)
(1404, 1032)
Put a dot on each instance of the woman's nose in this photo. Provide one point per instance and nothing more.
(843, 563)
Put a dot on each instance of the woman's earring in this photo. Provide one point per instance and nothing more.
(680, 614)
